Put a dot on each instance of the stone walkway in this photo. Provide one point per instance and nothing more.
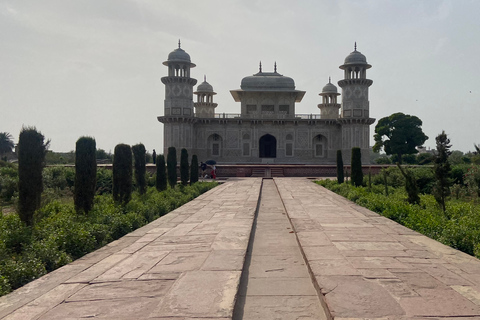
(188, 265)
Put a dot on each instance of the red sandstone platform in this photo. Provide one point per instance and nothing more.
(189, 263)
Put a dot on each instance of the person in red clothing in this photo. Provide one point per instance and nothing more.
(214, 172)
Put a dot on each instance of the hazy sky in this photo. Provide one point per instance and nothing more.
(93, 67)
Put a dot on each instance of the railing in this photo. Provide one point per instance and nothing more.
(263, 116)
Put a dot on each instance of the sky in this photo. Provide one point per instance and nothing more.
(75, 68)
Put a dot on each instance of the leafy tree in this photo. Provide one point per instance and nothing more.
(6, 143)
(442, 169)
(140, 168)
(122, 173)
(172, 167)
(85, 174)
(357, 173)
(424, 158)
(161, 180)
(194, 170)
(31, 159)
(399, 134)
(340, 176)
(184, 166)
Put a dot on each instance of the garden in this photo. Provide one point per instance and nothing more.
(69, 219)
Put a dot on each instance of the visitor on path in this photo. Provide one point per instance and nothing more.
(154, 156)
(203, 166)
(214, 172)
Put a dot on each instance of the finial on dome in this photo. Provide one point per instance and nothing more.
(329, 80)
(179, 43)
(355, 47)
(260, 68)
(275, 66)
(205, 78)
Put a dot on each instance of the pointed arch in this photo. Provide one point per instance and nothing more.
(267, 146)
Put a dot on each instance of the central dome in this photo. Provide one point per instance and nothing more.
(267, 81)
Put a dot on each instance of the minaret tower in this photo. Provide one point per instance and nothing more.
(178, 110)
(354, 117)
(329, 106)
(205, 107)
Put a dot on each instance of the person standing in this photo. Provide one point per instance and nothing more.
(154, 156)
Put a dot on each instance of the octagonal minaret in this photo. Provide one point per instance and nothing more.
(329, 106)
(178, 108)
(205, 107)
(355, 110)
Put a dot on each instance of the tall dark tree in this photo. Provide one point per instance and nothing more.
(172, 166)
(399, 134)
(122, 173)
(6, 144)
(140, 167)
(32, 149)
(184, 166)
(340, 175)
(357, 173)
(194, 170)
(161, 180)
(85, 174)
(442, 170)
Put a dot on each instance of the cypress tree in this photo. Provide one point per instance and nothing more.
(122, 173)
(161, 181)
(85, 174)
(184, 166)
(194, 170)
(31, 160)
(140, 168)
(340, 177)
(442, 169)
(172, 166)
(357, 173)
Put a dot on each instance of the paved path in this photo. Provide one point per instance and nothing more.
(188, 264)
(276, 283)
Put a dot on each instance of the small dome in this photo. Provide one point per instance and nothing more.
(179, 55)
(267, 81)
(205, 87)
(329, 88)
(355, 58)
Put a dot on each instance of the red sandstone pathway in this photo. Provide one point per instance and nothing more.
(188, 264)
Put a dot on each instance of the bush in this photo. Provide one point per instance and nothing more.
(140, 168)
(104, 181)
(31, 158)
(122, 174)
(172, 167)
(340, 177)
(161, 181)
(194, 170)
(184, 166)
(85, 174)
(357, 173)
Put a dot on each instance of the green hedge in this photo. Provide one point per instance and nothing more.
(458, 228)
(60, 236)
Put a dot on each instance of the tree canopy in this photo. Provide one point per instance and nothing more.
(399, 134)
(6, 143)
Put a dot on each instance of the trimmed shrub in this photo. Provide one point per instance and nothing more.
(442, 170)
(194, 170)
(184, 166)
(172, 167)
(161, 179)
(122, 174)
(340, 176)
(140, 168)
(357, 173)
(31, 159)
(85, 174)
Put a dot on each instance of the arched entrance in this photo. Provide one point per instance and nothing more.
(268, 146)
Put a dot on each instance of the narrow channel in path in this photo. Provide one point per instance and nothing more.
(275, 282)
